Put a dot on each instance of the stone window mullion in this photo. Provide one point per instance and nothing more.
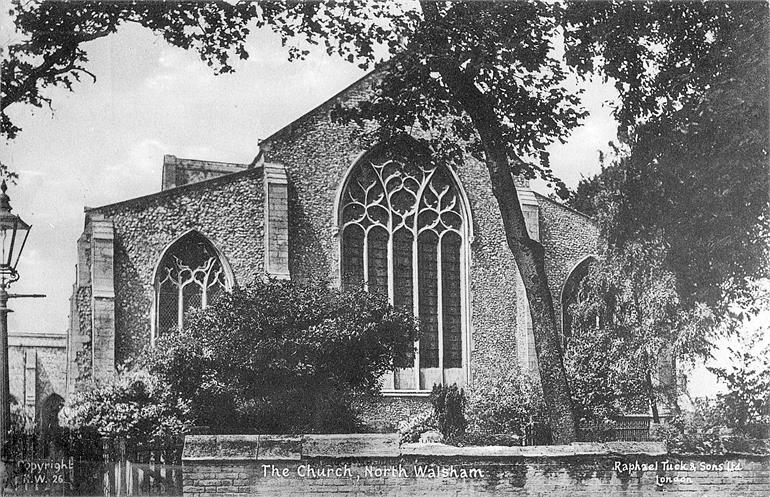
(412, 223)
(189, 274)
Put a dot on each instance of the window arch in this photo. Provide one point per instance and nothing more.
(404, 233)
(570, 294)
(190, 274)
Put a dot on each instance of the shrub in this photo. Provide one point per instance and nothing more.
(605, 380)
(703, 431)
(22, 440)
(736, 420)
(280, 356)
(449, 410)
(505, 405)
(411, 430)
(745, 407)
(136, 406)
(22, 419)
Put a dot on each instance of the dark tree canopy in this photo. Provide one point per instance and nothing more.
(698, 176)
(49, 47)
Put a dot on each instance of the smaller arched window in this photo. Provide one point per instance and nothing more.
(190, 274)
(570, 295)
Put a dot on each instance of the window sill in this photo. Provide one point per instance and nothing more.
(406, 393)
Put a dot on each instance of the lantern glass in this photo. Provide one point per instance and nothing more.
(13, 234)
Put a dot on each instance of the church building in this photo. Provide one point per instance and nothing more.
(315, 205)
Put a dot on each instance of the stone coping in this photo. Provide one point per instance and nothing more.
(31, 339)
(344, 446)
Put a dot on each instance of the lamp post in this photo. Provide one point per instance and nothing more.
(13, 236)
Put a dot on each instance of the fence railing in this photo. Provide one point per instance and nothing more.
(82, 463)
(140, 470)
(625, 428)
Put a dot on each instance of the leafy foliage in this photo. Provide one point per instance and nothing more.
(22, 419)
(506, 405)
(696, 176)
(49, 46)
(411, 429)
(692, 432)
(683, 208)
(627, 322)
(660, 55)
(449, 409)
(746, 405)
(136, 407)
(605, 381)
(703, 431)
(283, 357)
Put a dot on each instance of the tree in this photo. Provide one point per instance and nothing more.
(628, 324)
(487, 73)
(482, 78)
(745, 406)
(690, 184)
(49, 47)
(697, 176)
(281, 357)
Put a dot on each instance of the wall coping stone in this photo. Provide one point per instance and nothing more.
(343, 446)
(30, 339)
(351, 445)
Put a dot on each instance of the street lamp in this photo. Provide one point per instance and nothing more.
(13, 236)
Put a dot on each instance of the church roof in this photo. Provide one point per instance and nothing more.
(254, 169)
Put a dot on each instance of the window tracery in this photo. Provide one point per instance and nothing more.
(403, 235)
(189, 276)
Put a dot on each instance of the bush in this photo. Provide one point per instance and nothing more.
(449, 410)
(745, 407)
(23, 419)
(300, 410)
(284, 357)
(605, 380)
(506, 405)
(703, 431)
(136, 406)
(735, 421)
(411, 430)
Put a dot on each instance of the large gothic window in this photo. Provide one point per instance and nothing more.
(403, 234)
(189, 276)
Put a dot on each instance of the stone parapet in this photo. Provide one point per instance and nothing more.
(375, 464)
(384, 445)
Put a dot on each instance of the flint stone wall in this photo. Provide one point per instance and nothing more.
(318, 152)
(229, 211)
(377, 465)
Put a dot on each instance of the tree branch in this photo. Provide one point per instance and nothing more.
(529, 254)
(63, 54)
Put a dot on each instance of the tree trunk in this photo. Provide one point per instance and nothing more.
(528, 253)
(651, 397)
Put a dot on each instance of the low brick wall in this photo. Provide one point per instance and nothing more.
(377, 465)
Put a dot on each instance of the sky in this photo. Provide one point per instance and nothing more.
(104, 142)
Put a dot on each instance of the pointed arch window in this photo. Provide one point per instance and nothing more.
(404, 234)
(570, 295)
(190, 275)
